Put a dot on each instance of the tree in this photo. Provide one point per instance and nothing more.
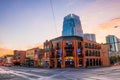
(113, 59)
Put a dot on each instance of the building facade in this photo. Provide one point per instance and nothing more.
(112, 41)
(38, 58)
(74, 51)
(31, 54)
(72, 26)
(90, 37)
(46, 57)
(19, 57)
(118, 45)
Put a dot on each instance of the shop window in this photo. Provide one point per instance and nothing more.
(90, 62)
(59, 63)
(93, 62)
(87, 62)
(97, 62)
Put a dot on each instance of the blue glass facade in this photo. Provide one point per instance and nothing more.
(112, 41)
(72, 26)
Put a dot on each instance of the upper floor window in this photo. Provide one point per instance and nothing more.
(58, 46)
(79, 45)
(69, 53)
(86, 45)
(89, 45)
(86, 53)
(92, 46)
(68, 43)
(92, 53)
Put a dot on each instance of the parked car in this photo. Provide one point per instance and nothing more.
(8, 64)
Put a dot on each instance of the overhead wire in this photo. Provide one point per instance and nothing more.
(54, 20)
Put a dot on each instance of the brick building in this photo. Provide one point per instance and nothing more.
(74, 51)
(38, 58)
(19, 57)
(32, 57)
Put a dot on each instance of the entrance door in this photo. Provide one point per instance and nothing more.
(69, 63)
(80, 62)
(59, 63)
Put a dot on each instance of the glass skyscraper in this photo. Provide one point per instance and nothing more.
(113, 42)
(89, 36)
(72, 26)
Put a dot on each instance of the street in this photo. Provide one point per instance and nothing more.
(24, 73)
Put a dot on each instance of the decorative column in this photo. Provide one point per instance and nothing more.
(76, 59)
(63, 54)
(84, 62)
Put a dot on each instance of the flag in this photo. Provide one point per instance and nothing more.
(59, 52)
(78, 50)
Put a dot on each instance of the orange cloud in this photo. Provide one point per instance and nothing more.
(110, 25)
(5, 52)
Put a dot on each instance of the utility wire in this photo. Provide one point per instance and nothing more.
(53, 17)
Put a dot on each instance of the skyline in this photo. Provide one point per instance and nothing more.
(28, 23)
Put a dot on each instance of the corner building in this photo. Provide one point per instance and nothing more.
(74, 51)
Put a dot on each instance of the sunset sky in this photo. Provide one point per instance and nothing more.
(28, 23)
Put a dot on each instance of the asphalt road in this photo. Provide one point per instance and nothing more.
(23, 73)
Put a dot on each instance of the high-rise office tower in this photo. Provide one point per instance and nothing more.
(72, 26)
(113, 43)
(90, 37)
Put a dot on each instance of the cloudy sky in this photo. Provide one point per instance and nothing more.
(28, 23)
